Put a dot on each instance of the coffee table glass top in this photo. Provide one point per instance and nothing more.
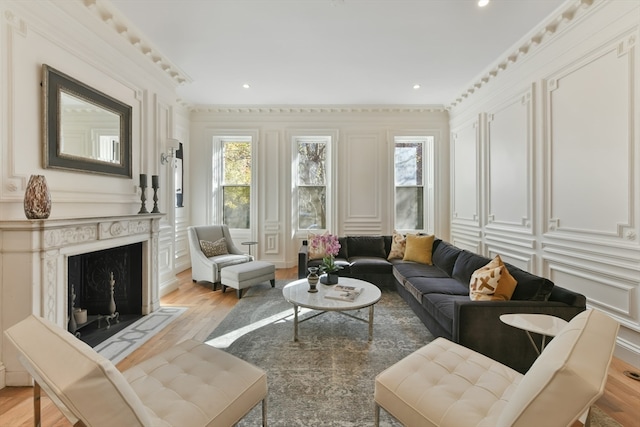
(296, 293)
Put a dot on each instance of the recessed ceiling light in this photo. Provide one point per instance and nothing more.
(416, 86)
(483, 3)
(246, 86)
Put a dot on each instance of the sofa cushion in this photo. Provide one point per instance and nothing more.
(433, 285)
(492, 282)
(466, 263)
(445, 256)
(530, 287)
(419, 248)
(366, 246)
(398, 246)
(370, 265)
(211, 249)
(404, 270)
(343, 252)
(441, 308)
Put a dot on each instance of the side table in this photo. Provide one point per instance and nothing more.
(249, 244)
(543, 324)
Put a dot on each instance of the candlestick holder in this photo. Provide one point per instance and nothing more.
(143, 196)
(154, 184)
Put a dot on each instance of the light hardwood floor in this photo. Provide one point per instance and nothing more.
(621, 399)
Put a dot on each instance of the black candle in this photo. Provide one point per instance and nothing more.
(143, 180)
(154, 181)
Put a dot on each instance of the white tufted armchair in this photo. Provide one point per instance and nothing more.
(205, 268)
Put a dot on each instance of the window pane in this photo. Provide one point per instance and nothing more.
(409, 208)
(236, 201)
(311, 163)
(408, 163)
(311, 207)
(236, 163)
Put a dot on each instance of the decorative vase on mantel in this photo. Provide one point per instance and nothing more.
(37, 199)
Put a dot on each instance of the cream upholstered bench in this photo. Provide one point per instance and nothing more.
(241, 276)
(445, 384)
(191, 384)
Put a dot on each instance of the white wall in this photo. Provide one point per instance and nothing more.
(546, 156)
(363, 175)
(89, 42)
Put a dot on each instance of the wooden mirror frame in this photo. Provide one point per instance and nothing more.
(53, 82)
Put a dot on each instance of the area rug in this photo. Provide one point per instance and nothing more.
(327, 378)
(133, 336)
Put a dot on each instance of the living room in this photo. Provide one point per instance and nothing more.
(541, 136)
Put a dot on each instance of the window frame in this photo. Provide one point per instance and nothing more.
(217, 181)
(428, 142)
(330, 138)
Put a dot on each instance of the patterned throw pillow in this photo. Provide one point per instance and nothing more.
(398, 246)
(419, 248)
(315, 253)
(219, 247)
(493, 282)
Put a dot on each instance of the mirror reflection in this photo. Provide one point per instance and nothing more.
(88, 131)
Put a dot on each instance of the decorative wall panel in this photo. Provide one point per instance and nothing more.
(360, 177)
(590, 161)
(465, 182)
(509, 164)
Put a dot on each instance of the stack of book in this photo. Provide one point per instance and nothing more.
(344, 293)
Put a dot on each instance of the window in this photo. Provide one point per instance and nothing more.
(311, 181)
(413, 169)
(235, 182)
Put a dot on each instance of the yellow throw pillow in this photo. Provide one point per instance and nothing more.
(315, 253)
(493, 282)
(419, 248)
(398, 246)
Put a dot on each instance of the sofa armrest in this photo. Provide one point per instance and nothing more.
(303, 258)
(477, 325)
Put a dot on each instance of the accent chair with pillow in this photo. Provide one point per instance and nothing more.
(212, 249)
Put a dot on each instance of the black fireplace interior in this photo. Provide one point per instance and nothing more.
(89, 277)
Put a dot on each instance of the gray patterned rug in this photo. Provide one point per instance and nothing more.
(327, 378)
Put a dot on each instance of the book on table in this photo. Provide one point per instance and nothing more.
(344, 293)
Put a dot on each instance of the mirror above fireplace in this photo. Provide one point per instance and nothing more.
(84, 130)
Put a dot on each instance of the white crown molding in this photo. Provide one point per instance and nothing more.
(318, 109)
(114, 19)
(521, 49)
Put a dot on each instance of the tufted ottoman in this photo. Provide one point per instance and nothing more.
(241, 276)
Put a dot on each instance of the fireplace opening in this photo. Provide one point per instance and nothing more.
(105, 292)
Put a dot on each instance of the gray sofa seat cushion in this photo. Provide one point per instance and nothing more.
(441, 308)
(420, 286)
(445, 256)
(363, 264)
(405, 270)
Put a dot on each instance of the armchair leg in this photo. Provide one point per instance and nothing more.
(36, 404)
(376, 415)
(239, 293)
(273, 283)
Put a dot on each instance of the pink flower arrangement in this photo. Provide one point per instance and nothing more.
(329, 245)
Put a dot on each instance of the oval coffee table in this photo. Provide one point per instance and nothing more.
(296, 293)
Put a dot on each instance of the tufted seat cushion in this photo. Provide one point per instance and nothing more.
(191, 384)
(214, 387)
(444, 383)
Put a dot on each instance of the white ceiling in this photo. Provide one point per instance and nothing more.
(332, 51)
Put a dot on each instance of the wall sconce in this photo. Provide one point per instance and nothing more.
(166, 158)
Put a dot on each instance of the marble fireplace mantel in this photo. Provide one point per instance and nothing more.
(33, 269)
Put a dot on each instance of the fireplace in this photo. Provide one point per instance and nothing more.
(36, 257)
(94, 307)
